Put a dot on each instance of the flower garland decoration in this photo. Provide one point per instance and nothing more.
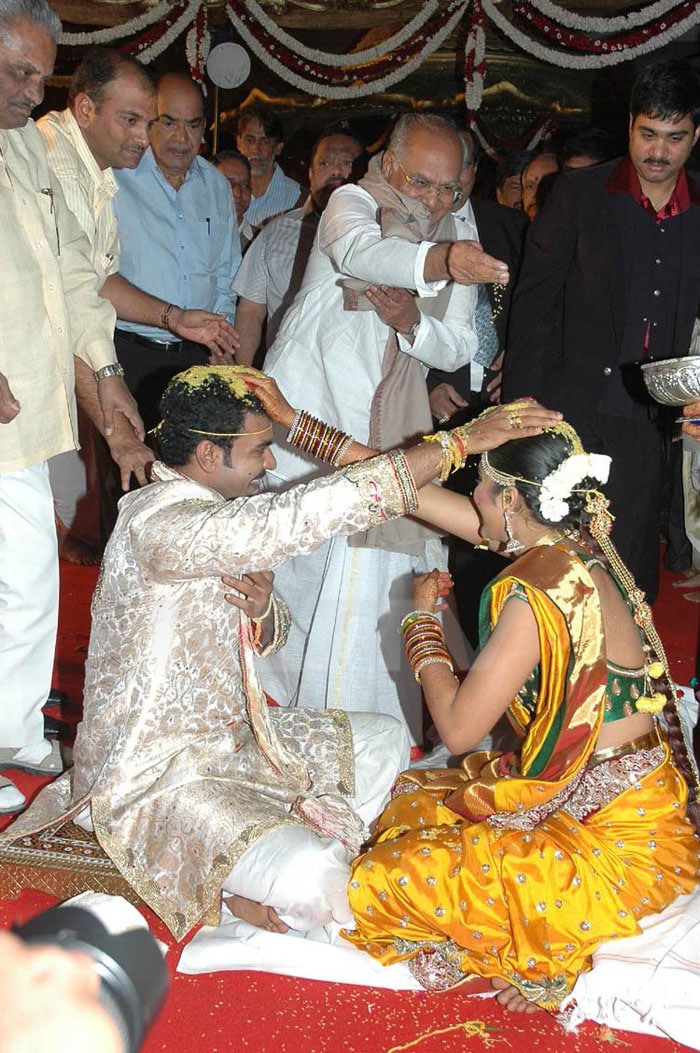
(272, 53)
(177, 27)
(355, 58)
(343, 83)
(374, 69)
(558, 486)
(137, 45)
(475, 59)
(603, 25)
(197, 47)
(527, 141)
(584, 42)
(558, 57)
(120, 32)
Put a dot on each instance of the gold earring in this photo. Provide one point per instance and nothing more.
(513, 546)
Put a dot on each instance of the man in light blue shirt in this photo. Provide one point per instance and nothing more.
(261, 140)
(178, 241)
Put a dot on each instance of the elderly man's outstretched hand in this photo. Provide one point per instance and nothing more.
(468, 264)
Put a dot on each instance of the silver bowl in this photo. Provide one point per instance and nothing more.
(673, 381)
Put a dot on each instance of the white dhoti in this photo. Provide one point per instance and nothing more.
(28, 603)
(344, 650)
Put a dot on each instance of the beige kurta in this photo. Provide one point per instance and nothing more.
(183, 763)
(49, 307)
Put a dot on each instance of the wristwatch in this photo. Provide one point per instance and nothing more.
(413, 331)
(112, 370)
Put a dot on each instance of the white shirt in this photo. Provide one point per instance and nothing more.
(328, 360)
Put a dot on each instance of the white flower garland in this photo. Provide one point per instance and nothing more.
(179, 25)
(353, 91)
(493, 152)
(474, 88)
(356, 58)
(197, 51)
(558, 486)
(567, 60)
(111, 33)
(604, 25)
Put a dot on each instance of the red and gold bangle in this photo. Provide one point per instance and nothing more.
(317, 439)
(424, 641)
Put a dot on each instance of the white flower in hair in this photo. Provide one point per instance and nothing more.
(558, 486)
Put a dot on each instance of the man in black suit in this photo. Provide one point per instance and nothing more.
(610, 277)
(463, 394)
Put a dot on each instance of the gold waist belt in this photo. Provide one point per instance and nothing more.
(655, 737)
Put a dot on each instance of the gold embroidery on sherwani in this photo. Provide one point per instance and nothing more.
(166, 754)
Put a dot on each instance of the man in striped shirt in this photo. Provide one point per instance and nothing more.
(272, 270)
(261, 140)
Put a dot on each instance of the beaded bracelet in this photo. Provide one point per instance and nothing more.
(437, 660)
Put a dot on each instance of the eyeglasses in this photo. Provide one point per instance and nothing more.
(447, 191)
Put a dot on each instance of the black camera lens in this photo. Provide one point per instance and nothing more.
(133, 975)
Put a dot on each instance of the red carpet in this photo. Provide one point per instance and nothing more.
(263, 1013)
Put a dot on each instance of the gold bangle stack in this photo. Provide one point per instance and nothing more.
(424, 641)
(454, 449)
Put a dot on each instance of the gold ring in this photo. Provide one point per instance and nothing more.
(511, 420)
(516, 421)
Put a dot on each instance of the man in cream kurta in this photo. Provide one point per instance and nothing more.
(193, 783)
(111, 109)
(49, 313)
(330, 359)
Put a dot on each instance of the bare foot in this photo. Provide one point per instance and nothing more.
(255, 914)
(689, 580)
(74, 550)
(510, 998)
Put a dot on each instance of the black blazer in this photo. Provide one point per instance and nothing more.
(502, 233)
(576, 325)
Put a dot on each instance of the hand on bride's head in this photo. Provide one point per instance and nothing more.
(513, 420)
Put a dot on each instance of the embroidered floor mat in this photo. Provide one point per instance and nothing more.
(63, 860)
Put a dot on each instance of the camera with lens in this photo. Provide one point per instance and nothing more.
(128, 961)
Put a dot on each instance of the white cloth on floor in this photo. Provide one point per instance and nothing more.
(304, 876)
(320, 955)
(28, 603)
(648, 983)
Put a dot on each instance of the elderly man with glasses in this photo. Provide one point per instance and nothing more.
(388, 293)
